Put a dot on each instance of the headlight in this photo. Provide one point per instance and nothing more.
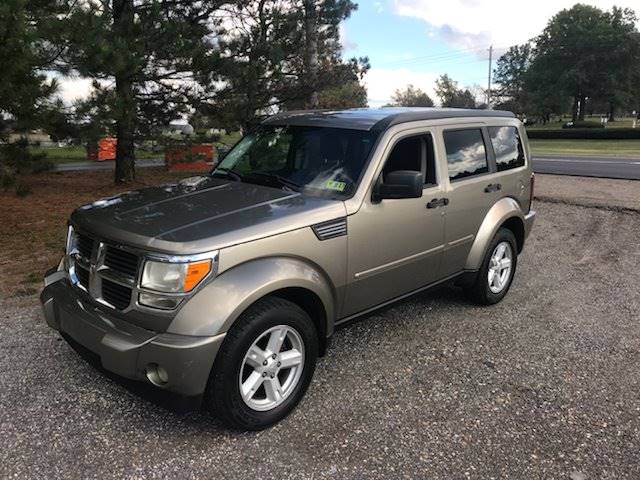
(174, 277)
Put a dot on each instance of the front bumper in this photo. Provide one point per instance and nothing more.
(125, 349)
(529, 218)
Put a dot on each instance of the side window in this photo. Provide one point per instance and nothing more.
(507, 146)
(466, 153)
(413, 153)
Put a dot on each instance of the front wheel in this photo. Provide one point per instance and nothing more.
(498, 268)
(264, 366)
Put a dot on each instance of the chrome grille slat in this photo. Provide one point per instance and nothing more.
(117, 277)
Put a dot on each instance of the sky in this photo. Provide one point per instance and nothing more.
(415, 41)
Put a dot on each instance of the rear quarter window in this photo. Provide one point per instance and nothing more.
(466, 153)
(507, 146)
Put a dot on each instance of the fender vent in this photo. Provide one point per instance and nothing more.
(330, 229)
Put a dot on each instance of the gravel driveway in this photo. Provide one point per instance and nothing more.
(543, 385)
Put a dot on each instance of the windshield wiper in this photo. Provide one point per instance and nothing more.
(228, 172)
(280, 179)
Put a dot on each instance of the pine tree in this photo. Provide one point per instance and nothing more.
(281, 55)
(146, 57)
(24, 88)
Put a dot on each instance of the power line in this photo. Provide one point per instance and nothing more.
(436, 57)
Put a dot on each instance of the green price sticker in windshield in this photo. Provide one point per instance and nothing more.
(337, 186)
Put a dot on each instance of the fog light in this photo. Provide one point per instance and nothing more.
(162, 302)
(157, 375)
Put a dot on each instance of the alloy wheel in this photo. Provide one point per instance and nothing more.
(500, 266)
(271, 368)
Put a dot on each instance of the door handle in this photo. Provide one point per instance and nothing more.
(493, 187)
(438, 202)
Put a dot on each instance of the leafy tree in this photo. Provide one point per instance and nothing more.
(582, 53)
(451, 95)
(411, 97)
(618, 86)
(145, 55)
(510, 75)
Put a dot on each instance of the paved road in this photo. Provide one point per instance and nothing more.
(585, 166)
(589, 166)
(106, 165)
(543, 385)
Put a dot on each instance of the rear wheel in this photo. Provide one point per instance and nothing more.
(264, 366)
(498, 268)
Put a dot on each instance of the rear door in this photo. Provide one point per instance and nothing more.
(473, 189)
(511, 164)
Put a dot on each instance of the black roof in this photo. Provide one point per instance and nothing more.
(375, 118)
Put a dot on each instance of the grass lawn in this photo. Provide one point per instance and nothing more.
(33, 228)
(78, 153)
(586, 147)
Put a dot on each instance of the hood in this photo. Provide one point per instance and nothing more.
(200, 214)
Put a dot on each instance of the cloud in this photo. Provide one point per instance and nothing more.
(479, 23)
(381, 83)
(344, 39)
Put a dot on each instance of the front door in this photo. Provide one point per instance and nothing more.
(395, 246)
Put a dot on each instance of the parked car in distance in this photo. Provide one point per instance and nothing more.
(228, 286)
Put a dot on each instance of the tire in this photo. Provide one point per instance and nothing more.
(235, 367)
(485, 292)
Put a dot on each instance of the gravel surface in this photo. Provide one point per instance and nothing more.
(543, 385)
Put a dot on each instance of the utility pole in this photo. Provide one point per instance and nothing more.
(489, 81)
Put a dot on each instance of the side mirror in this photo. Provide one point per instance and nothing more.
(399, 184)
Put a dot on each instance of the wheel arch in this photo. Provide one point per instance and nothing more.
(218, 305)
(507, 213)
(313, 306)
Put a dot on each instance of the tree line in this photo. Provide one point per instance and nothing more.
(585, 60)
(448, 91)
(219, 63)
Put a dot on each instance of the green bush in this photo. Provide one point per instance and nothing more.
(583, 124)
(586, 134)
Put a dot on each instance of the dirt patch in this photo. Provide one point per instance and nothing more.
(32, 229)
(617, 195)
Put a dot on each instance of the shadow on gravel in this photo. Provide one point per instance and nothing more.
(447, 293)
(173, 403)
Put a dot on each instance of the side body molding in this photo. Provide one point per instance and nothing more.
(213, 309)
(501, 211)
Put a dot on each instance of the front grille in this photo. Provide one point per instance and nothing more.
(115, 271)
(121, 261)
(85, 246)
(117, 295)
(83, 276)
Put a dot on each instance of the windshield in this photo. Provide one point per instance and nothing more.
(319, 161)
